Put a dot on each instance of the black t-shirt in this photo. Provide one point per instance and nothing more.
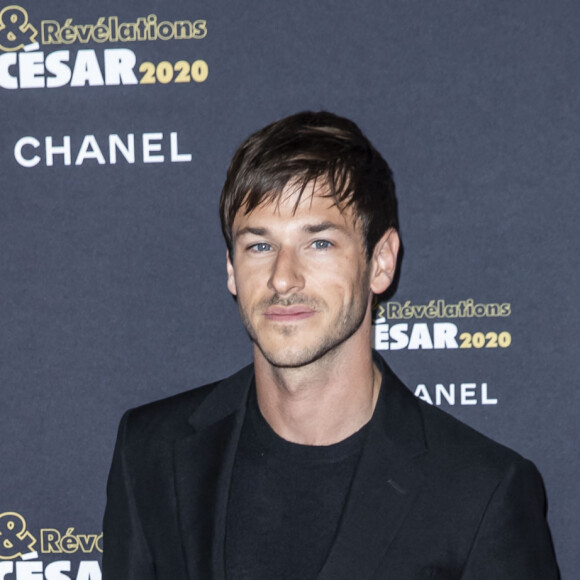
(285, 502)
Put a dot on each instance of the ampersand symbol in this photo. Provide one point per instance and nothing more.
(15, 30)
(14, 539)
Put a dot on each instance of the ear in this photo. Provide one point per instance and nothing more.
(231, 283)
(384, 261)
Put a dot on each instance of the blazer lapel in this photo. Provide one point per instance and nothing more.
(203, 464)
(386, 484)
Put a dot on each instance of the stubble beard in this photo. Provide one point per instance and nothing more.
(346, 323)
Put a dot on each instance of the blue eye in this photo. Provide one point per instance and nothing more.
(261, 247)
(322, 244)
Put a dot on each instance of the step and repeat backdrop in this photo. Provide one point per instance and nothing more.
(118, 121)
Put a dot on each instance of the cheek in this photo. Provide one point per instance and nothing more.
(248, 289)
(337, 288)
(348, 275)
(360, 283)
(240, 278)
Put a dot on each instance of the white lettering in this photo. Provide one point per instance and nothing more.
(119, 63)
(55, 65)
(485, 400)
(420, 337)
(156, 149)
(26, 162)
(399, 336)
(6, 568)
(396, 337)
(52, 150)
(468, 394)
(422, 393)
(87, 70)
(29, 570)
(444, 334)
(175, 155)
(127, 151)
(449, 395)
(89, 570)
(34, 69)
(55, 570)
(382, 337)
(31, 68)
(149, 147)
(90, 150)
(7, 81)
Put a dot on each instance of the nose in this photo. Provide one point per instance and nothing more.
(287, 276)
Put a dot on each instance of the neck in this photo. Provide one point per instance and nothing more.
(321, 403)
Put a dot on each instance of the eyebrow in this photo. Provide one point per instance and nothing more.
(309, 228)
(323, 227)
(249, 230)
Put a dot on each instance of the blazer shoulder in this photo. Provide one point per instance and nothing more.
(451, 444)
(452, 441)
(170, 418)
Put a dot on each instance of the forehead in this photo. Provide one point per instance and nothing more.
(294, 207)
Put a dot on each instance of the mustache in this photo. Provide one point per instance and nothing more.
(277, 300)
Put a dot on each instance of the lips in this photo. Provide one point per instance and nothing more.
(292, 313)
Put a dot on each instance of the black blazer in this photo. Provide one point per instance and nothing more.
(431, 498)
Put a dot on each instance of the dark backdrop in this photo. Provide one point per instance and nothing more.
(112, 281)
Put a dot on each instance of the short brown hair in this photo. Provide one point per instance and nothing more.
(304, 148)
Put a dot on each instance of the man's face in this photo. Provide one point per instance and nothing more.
(301, 278)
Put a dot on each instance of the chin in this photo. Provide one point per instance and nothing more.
(289, 357)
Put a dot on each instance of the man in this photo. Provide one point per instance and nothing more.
(315, 462)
